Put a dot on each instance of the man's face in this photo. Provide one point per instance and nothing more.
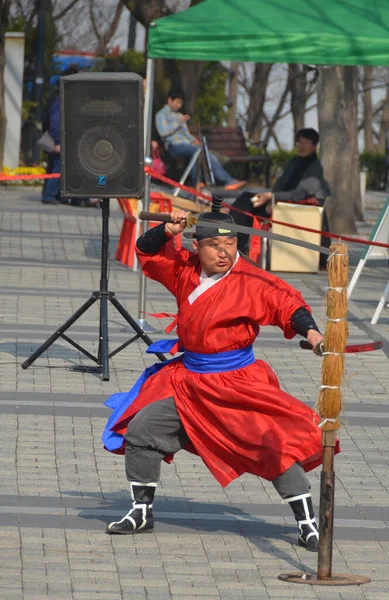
(175, 104)
(305, 147)
(217, 254)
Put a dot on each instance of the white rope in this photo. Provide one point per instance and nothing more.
(335, 320)
(337, 289)
(322, 423)
(330, 387)
(333, 353)
(335, 254)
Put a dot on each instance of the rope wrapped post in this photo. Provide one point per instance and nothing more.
(329, 406)
(330, 403)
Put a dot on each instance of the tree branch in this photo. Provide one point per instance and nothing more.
(93, 21)
(277, 113)
(63, 12)
(114, 23)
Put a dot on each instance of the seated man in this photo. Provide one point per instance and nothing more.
(302, 182)
(178, 141)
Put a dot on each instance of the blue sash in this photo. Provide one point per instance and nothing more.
(198, 363)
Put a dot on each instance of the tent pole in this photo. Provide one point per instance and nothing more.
(148, 107)
(148, 116)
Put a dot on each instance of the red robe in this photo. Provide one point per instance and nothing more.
(238, 421)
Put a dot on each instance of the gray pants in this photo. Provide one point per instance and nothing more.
(156, 431)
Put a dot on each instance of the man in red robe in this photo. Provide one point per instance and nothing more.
(215, 399)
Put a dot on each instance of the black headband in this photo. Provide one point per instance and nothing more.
(205, 229)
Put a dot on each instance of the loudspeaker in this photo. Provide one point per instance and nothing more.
(101, 135)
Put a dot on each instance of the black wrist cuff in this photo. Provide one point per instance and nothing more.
(152, 241)
(302, 322)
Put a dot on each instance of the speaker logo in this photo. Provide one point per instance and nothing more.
(101, 180)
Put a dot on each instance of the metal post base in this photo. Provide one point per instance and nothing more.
(147, 328)
(335, 579)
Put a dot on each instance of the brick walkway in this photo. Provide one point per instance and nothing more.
(59, 487)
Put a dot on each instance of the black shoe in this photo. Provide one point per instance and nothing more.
(138, 520)
(308, 538)
(308, 531)
(49, 202)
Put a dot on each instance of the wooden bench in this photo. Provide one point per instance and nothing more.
(230, 142)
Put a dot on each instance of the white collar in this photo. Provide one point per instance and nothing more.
(207, 282)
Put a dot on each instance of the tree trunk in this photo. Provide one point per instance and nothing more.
(145, 11)
(4, 15)
(190, 73)
(337, 150)
(351, 97)
(368, 109)
(233, 94)
(298, 80)
(257, 100)
(384, 123)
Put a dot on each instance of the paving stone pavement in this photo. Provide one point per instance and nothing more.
(59, 487)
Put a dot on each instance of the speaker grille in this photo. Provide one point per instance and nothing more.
(102, 135)
(101, 149)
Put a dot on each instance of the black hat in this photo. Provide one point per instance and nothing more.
(206, 229)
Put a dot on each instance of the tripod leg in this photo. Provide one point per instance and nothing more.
(103, 346)
(59, 332)
(134, 325)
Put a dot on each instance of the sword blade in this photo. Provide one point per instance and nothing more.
(165, 217)
(350, 348)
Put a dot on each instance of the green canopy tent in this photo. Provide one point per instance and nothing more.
(322, 32)
(318, 32)
(329, 32)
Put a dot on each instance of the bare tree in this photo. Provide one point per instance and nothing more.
(351, 115)
(368, 108)
(146, 11)
(299, 96)
(336, 96)
(104, 27)
(384, 122)
(271, 123)
(4, 16)
(257, 96)
(64, 10)
(233, 94)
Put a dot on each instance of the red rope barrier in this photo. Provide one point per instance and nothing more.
(173, 183)
(4, 177)
(268, 219)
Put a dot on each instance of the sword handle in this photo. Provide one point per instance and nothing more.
(319, 348)
(152, 216)
(305, 345)
(165, 218)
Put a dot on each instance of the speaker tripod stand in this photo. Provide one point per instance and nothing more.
(105, 296)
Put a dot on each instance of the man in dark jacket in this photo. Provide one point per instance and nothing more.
(302, 182)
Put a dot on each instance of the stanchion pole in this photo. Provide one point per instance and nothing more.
(329, 406)
(148, 116)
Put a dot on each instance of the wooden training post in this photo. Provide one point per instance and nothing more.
(329, 406)
(330, 402)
